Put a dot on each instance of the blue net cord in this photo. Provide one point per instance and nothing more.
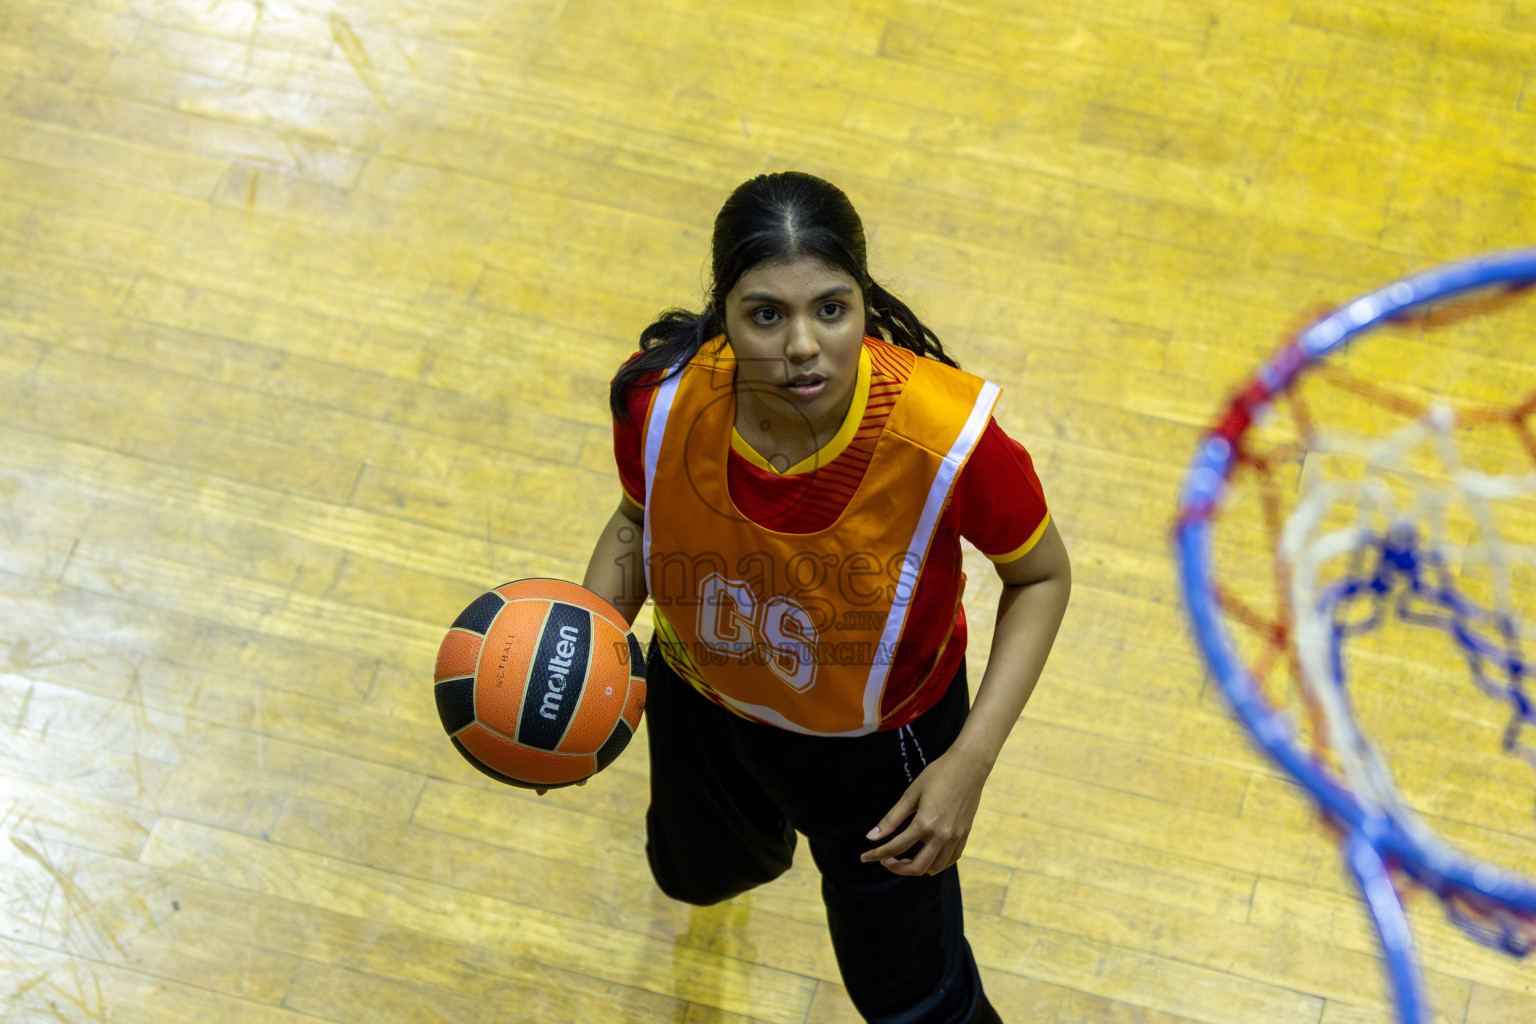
(1395, 576)
(1392, 576)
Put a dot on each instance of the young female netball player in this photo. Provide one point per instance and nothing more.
(799, 462)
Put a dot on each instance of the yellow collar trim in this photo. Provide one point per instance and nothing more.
(833, 448)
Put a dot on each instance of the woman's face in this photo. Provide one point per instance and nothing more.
(796, 328)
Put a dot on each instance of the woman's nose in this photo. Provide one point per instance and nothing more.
(801, 344)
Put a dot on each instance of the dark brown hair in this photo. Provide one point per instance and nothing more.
(770, 218)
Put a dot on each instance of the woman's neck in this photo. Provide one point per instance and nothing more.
(782, 433)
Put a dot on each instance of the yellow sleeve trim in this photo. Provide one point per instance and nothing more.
(632, 499)
(833, 448)
(1026, 547)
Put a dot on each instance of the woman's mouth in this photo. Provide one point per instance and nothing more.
(806, 386)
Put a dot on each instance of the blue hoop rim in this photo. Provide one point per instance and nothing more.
(1205, 485)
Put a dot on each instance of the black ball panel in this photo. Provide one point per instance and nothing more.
(456, 703)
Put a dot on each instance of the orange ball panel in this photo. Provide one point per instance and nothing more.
(540, 767)
(561, 590)
(510, 645)
(458, 655)
(602, 702)
(634, 706)
(610, 651)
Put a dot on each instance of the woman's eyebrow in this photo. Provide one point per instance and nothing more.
(833, 292)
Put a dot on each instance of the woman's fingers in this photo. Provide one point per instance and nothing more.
(939, 850)
(541, 792)
(942, 802)
(895, 815)
(922, 863)
(908, 838)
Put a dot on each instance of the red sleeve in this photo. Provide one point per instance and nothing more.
(629, 439)
(998, 501)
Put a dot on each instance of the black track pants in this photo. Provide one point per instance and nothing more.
(729, 795)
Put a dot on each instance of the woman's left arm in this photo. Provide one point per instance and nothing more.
(942, 801)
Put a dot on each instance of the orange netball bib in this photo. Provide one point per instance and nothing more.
(798, 630)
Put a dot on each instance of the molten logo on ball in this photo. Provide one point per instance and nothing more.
(557, 676)
(559, 668)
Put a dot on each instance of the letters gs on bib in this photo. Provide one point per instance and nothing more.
(732, 622)
(539, 683)
(787, 631)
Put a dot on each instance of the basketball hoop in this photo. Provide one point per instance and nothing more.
(1391, 533)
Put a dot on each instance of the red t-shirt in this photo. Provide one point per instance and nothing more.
(997, 504)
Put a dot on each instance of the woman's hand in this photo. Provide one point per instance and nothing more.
(541, 792)
(943, 800)
(942, 803)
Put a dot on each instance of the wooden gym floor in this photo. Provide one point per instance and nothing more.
(306, 316)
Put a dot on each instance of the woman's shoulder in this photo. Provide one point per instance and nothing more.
(630, 361)
(638, 391)
(629, 434)
(997, 450)
(998, 503)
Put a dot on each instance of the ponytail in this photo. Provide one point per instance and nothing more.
(674, 337)
(897, 324)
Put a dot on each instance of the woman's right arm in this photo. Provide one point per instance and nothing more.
(616, 572)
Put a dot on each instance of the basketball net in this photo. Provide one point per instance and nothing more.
(1396, 557)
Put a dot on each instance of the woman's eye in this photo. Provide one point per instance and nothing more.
(765, 315)
(831, 310)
